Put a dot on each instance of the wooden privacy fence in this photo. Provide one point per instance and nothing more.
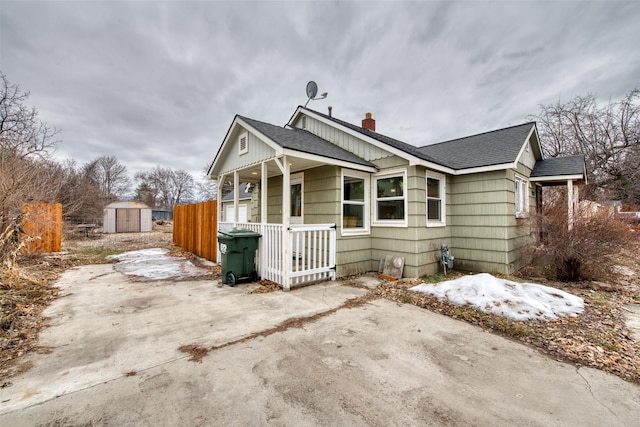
(194, 228)
(45, 221)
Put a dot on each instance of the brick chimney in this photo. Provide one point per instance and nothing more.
(369, 123)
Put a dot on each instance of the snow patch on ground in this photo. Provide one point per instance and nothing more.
(517, 301)
(155, 264)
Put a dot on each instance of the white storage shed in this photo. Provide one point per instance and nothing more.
(127, 217)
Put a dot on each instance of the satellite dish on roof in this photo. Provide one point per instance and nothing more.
(312, 91)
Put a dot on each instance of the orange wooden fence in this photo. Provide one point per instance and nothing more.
(195, 228)
(45, 221)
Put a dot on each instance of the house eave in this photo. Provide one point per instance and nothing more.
(557, 178)
(481, 169)
(328, 160)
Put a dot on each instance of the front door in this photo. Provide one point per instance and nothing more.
(296, 210)
(297, 200)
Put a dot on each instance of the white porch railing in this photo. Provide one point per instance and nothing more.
(312, 248)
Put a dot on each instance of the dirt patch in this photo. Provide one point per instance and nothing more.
(266, 286)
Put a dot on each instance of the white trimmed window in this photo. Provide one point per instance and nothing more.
(355, 203)
(390, 200)
(436, 204)
(243, 143)
(522, 196)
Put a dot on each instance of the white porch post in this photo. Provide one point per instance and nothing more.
(236, 197)
(286, 207)
(570, 204)
(263, 216)
(219, 214)
(263, 193)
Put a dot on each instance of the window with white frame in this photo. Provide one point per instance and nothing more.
(355, 203)
(522, 196)
(390, 199)
(243, 143)
(436, 214)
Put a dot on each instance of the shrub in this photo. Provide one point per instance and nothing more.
(587, 250)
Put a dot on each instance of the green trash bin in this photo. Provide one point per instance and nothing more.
(238, 250)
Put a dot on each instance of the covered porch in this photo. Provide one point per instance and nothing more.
(296, 247)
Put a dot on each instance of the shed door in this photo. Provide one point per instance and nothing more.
(127, 220)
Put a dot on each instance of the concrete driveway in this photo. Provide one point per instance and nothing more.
(112, 358)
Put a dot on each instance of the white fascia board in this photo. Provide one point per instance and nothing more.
(539, 144)
(481, 169)
(557, 178)
(524, 146)
(413, 161)
(328, 160)
(237, 121)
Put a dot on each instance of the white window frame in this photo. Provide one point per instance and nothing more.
(521, 196)
(442, 222)
(244, 150)
(366, 229)
(374, 199)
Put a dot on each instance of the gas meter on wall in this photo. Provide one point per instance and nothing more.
(446, 259)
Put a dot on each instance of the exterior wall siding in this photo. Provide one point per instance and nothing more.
(258, 151)
(486, 235)
(342, 139)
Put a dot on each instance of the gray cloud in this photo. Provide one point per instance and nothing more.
(158, 83)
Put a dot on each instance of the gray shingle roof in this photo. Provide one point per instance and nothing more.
(486, 149)
(558, 166)
(304, 141)
(243, 195)
(403, 146)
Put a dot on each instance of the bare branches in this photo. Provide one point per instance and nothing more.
(20, 129)
(109, 175)
(164, 187)
(609, 136)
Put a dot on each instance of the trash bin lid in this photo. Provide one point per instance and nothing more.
(239, 232)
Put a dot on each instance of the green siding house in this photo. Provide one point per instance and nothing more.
(331, 199)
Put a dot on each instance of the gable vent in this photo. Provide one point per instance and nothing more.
(243, 143)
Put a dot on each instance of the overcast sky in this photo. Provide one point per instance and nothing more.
(159, 82)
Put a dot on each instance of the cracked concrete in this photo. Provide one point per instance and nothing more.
(114, 360)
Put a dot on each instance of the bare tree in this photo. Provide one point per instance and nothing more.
(165, 187)
(79, 195)
(183, 187)
(110, 176)
(21, 132)
(609, 136)
(25, 145)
